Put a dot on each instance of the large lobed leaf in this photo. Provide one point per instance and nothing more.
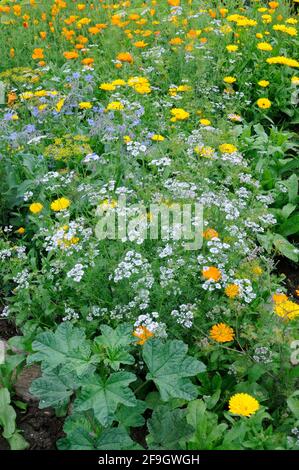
(104, 395)
(169, 367)
(67, 347)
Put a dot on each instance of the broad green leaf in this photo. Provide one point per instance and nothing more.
(116, 439)
(114, 345)
(7, 414)
(293, 404)
(67, 347)
(104, 395)
(288, 209)
(292, 184)
(285, 247)
(17, 442)
(131, 417)
(82, 433)
(266, 241)
(168, 429)
(290, 226)
(120, 337)
(169, 367)
(54, 388)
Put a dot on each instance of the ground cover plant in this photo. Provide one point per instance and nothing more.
(142, 342)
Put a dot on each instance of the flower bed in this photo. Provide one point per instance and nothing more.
(149, 181)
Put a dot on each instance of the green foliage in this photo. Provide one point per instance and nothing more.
(103, 395)
(168, 429)
(169, 367)
(67, 348)
(8, 422)
(113, 345)
(124, 327)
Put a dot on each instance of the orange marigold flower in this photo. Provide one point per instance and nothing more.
(87, 61)
(71, 55)
(38, 53)
(211, 273)
(125, 57)
(143, 334)
(222, 333)
(279, 297)
(210, 233)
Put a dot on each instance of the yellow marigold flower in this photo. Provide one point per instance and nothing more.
(85, 105)
(222, 333)
(60, 204)
(295, 80)
(205, 122)
(20, 231)
(143, 334)
(212, 273)
(264, 46)
(115, 106)
(179, 114)
(232, 48)
(243, 404)
(107, 86)
(210, 233)
(263, 83)
(59, 105)
(227, 148)
(288, 310)
(232, 290)
(157, 138)
(35, 207)
(119, 82)
(184, 88)
(140, 44)
(263, 103)
(281, 60)
(127, 139)
(229, 79)
(290, 30)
